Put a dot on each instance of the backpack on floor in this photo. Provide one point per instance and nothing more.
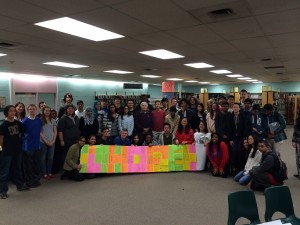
(281, 173)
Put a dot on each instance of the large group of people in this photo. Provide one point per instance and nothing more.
(239, 138)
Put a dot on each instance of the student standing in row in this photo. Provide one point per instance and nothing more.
(10, 157)
(31, 147)
(48, 138)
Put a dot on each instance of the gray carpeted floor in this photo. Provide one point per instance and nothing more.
(184, 198)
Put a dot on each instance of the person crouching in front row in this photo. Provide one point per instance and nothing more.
(217, 153)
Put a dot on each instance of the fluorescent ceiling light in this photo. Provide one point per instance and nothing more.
(220, 71)
(199, 65)
(234, 75)
(2, 54)
(244, 78)
(80, 29)
(162, 54)
(118, 71)
(150, 76)
(63, 64)
(191, 81)
(253, 80)
(204, 82)
(175, 79)
(257, 82)
(214, 84)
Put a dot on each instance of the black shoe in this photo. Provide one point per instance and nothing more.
(3, 196)
(23, 188)
(35, 185)
(63, 176)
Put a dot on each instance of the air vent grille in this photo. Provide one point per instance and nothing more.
(221, 12)
(273, 67)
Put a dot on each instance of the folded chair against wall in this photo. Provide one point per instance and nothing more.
(242, 204)
(279, 199)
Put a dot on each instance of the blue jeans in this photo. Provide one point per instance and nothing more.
(7, 162)
(242, 179)
(47, 158)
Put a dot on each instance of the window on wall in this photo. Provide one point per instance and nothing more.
(26, 98)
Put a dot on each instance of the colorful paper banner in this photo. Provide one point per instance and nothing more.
(140, 159)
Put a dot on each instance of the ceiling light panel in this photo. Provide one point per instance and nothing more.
(162, 54)
(199, 65)
(191, 81)
(234, 75)
(80, 29)
(150, 76)
(64, 64)
(214, 84)
(204, 82)
(2, 54)
(257, 82)
(174, 79)
(220, 71)
(118, 71)
(244, 78)
(253, 80)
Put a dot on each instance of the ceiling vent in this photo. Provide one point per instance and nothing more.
(273, 67)
(221, 13)
(10, 45)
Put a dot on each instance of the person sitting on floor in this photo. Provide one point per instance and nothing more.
(72, 164)
(264, 175)
(254, 158)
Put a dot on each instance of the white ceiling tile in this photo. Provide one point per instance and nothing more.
(196, 34)
(17, 9)
(281, 22)
(159, 14)
(251, 43)
(67, 7)
(217, 47)
(237, 29)
(6, 22)
(269, 6)
(282, 40)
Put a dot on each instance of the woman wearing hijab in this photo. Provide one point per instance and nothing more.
(88, 124)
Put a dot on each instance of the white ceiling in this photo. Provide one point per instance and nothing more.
(258, 29)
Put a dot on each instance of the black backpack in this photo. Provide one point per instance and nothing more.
(281, 172)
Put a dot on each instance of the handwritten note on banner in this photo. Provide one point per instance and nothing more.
(143, 159)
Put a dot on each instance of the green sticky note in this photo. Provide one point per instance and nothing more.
(98, 157)
(118, 150)
(104, 168)
(83, 168)
(84, 149)
(117, 168)
(178, 156)
(171, 166)
(178, 167)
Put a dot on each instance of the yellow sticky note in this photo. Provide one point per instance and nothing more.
(178, 161)
(156, 168)
(83, 158)
(156, 155)
(136, 159)
(164, 168)
(164, 162)
(193, 157)
(186, 166)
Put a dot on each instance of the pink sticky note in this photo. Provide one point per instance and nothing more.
(193, 166)
(192, 148)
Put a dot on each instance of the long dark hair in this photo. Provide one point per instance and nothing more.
(122, 114)
(110, 114)
(254, 146)
(23, 114)
(202, 110)
(187, 127)
(211, 145)
(211, 111)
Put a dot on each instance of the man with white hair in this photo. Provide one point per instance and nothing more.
(142, 120)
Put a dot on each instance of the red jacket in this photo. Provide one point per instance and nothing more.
(189, 137)
(220, 161)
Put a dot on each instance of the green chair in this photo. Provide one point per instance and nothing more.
(242, 204)
(279, 199)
